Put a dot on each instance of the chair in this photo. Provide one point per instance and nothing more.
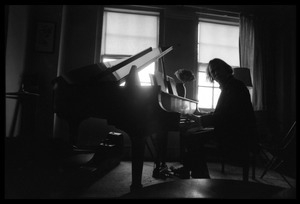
(249, 162)
(277, 150)
(245, 159)
(223, 157)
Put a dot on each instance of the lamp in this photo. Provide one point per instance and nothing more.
(243, 74)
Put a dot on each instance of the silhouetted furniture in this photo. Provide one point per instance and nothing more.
(95, 91)
(27, 101)
(110, 150)
(277, 150)
(213, 146)
(244, 156)
(211, 189)
(245, 165)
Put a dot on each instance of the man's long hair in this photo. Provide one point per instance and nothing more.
(216, 62)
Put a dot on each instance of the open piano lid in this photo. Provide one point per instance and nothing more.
(117, 70)
(121, 68)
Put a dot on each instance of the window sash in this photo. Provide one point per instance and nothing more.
(207, 92)
(135, 32)
(133, 39)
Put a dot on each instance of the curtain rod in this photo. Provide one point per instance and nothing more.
(215, 11)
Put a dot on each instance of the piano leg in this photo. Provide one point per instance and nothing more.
(138, 142)
(161, 143)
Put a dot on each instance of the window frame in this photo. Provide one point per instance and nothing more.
(223, 19)
(148, 11)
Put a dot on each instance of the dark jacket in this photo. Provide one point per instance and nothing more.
(233, 119)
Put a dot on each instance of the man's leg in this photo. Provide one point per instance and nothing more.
(197, 154)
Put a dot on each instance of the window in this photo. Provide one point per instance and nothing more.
(216, 39)
(128, 32)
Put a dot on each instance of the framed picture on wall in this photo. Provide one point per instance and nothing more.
(45, 37)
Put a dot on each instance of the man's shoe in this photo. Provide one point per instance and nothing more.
(161, 173)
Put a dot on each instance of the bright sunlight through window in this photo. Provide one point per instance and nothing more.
(215, 40)
(126, 33)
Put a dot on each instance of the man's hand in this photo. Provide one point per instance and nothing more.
(192, 117)
(195, 118)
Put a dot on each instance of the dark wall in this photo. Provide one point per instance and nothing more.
(80, 36)
(181, 33)
(36, 70)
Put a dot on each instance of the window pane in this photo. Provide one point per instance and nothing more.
(216, 84)
(128, 34)
(217, 93)
(228, 54)
(205, 97)
(219, 34)
(202, 67)
(215, 40)
(202, 81)
(133, 32)
(144, 74)
(218, 41)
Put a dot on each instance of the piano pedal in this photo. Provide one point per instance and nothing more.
(107, 143)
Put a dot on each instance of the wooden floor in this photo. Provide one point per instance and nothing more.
(211, 189)
(74, 177)
(85, 182)
(116, 183)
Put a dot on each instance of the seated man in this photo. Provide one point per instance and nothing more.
(233, 121)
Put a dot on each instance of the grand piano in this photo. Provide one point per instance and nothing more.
(96, 91)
